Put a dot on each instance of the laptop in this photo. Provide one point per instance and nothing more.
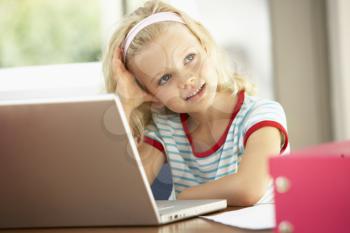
(73, 162)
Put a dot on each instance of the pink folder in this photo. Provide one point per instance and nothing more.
(312, 189)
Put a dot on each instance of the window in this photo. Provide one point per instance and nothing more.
(38, 32)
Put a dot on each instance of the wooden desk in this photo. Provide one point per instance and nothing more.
(192, 225)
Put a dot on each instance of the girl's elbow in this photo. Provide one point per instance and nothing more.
(244, 199)
(251, 198)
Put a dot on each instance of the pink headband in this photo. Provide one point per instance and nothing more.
(154, 18)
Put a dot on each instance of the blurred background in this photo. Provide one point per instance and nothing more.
(295, 51)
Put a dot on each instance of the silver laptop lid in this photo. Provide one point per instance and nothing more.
(70, 162)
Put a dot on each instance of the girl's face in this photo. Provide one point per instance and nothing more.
(177, 71)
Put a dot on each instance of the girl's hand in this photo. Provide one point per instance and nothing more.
(127, 88)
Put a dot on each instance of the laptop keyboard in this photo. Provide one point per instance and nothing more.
(163, 206)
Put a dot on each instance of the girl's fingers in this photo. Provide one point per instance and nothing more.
(118, 64)
(127, 86)
(150, 98)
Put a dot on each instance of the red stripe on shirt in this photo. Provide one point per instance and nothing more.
(262, 124)
(154, 143)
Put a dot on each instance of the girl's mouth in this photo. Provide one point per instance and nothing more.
(197, 93)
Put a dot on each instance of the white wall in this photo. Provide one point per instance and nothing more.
(339, 46)
(243, 29)
(51, 81)
(111, 13)
(299, 38)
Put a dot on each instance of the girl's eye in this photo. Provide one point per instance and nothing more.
(164, 79)
(189, 58)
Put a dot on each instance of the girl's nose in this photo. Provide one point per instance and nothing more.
(190, 82)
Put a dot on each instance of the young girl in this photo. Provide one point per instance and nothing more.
(187, 107)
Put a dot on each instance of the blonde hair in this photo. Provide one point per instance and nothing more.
(140, 117)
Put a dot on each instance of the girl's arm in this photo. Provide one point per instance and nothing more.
(152, 160)
(248, 185)
(132, 96)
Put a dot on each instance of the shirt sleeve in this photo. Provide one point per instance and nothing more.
(266, 113)
(153, 138)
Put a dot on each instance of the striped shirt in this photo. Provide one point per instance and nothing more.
(170, 134)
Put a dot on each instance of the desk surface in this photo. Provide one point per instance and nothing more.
(192, 225)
